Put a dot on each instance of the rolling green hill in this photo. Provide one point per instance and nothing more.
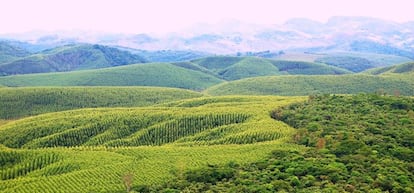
(9, 52)
(358, 62)
(151, 74)
(69, 58)
(308, 85)
(196, 74)
(99, 150)
(307, 68)
(22, 102)
(405, 68)
(355, 64)
(234, 68)
(248, 67)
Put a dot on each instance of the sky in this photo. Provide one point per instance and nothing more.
(163, 16)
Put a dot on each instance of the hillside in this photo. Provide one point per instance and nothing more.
(307, 68)
(169, 55)
(378, 48)
(405, 68)
(308, 85)
(69, 58)
(22, 102)
(234, 68)
(359, 61)
(97, 150)
(9, 52)
(196, 75)
(355, 64)
(151, 74)
(348, 150)
(248, 67)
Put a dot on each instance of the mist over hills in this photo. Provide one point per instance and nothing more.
(205, 55)
(360, 34)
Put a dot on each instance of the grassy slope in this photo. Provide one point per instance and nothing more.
(405, 68)
(153, 74)
(306, 85)
(249, 67)
(99, 169)
(21, 102)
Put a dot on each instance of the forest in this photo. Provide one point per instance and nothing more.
(360, 143)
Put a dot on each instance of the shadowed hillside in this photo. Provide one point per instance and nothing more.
(9, 52)
(69, 58)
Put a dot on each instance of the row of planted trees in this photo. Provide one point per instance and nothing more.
(16, 164)
(116, 130)
(181, 127)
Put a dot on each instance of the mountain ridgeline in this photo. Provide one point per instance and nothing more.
(70, 58)
(9, 52)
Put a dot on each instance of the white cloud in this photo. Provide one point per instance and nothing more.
(137, 16)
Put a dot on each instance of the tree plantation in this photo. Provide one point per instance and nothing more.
(92, 149)
(232, 104)
(328, 143)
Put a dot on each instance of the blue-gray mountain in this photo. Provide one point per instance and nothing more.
(338, 33)
(68, 58)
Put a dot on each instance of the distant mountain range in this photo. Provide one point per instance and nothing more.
(360, 34)
(238, 58)
(66, 58)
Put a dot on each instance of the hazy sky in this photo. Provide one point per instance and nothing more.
(137, 16)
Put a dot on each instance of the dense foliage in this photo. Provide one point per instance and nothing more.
(318, 84)
(22, 102)
(361, 143)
